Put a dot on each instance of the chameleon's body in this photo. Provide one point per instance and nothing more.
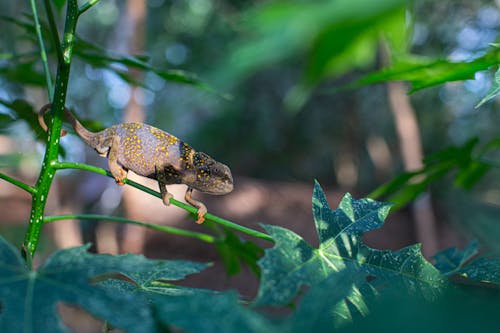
(153, 153)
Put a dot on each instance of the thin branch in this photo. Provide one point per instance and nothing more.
(83, 8)
(43, 53)
(18, 183)
(171, 230)
(53, 30)
(191, 209)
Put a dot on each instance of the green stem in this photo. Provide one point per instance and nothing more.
(18, 183)
(53, 30)
(171, 230)
(43, 53)
(189, 208)
(42, 186)
(87, 6)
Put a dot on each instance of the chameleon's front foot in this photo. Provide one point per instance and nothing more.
(120, 176)
(202, 209)
(166, 198)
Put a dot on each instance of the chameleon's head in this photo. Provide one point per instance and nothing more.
(212, 177)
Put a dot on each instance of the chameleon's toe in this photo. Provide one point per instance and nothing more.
(201, 215)
(166, 198)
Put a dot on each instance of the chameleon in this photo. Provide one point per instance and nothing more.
(156, 154)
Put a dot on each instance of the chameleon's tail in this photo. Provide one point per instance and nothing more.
(84, 133)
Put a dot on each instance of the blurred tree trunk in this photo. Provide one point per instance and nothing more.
(132, 34)
(134, 236)
(410, 145)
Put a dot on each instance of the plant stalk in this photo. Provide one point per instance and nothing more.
(42, 186)
(189, 208)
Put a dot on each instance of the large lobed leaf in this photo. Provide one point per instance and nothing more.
(29, 298)
(293, 263)
(455, 262)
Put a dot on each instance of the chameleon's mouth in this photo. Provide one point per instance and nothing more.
(223, 188)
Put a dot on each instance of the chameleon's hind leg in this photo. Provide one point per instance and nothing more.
(162, 183)
(118, 172)
(202, 209)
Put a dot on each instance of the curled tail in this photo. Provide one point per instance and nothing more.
(84, 133)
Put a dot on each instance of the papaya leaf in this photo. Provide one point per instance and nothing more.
(235, 251)
(455, 262)
(451, 260)
(494, 90)
(293, 263)
(29, 298)
(456, 310)
(321, 311)
(220, 313)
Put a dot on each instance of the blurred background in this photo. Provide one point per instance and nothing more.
(271, 100)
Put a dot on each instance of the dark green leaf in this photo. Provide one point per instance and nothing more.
(451, 260)
(293, 263)
(98, 57)
(59, 4)
(484, 270)
(220, 313)
(5, 121)
(235, 251)
(327, 305)
(23, 110)
(282, 29)
(494, 90)
(459, 262)
(10, 161)
(29, 298)
(465, 310)
(469, 175)
(424, 72)
(23, 73)
(468, 165)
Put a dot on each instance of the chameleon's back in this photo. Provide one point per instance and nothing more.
(144, 148)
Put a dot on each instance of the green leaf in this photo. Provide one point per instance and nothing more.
(451, 260)
(23, 110)
(156, 280)
(10, 160)
(459, 263)
(282, 29)
(59, 4)
(469, 167)
(423, 72)
(494, 90)
(327, 305)
(29, 298)
(23, 73)
(293, 263)
(220, 313)
(235, 251)
(101, 58)
(465, 310)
